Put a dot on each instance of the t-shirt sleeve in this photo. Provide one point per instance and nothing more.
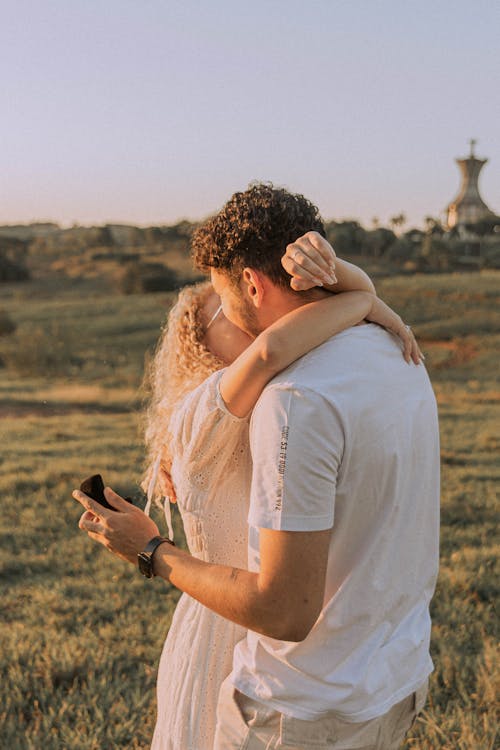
(203, 431)
(297, 443)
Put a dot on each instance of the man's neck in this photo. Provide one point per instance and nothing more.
(280, 302)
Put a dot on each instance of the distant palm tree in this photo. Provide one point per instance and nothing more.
(397, 221)
(432, 225)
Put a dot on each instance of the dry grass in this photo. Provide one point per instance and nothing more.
(81, 634)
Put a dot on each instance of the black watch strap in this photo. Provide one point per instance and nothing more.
(145, 558)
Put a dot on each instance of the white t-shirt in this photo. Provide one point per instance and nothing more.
(347, 438)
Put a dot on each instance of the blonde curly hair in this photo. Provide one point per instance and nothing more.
(180, 363)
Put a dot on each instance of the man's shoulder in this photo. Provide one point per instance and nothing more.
(358, 366)
(306, 386)
(340, 353)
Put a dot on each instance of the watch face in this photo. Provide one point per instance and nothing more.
(145, 564)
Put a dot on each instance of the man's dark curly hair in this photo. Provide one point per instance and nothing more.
(252, 230)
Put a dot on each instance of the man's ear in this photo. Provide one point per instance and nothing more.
(254, 286)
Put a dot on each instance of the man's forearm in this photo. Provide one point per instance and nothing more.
(231, 592)
(283, 600)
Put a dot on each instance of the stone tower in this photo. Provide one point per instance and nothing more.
(468, 207)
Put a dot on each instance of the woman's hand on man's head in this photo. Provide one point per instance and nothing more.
(310, 261)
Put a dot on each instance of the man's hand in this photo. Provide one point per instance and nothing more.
(310, 261)
(124, 531)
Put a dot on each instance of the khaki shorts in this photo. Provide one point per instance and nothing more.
(245, 724)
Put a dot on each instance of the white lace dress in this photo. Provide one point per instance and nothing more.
(211, 472)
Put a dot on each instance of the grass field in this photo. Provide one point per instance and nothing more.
(81, 633)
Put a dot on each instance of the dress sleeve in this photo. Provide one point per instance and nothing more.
(297, 441)
(204, 433)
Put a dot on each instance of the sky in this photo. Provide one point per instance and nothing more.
(152, 111)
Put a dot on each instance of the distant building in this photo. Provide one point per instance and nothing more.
(468, 207)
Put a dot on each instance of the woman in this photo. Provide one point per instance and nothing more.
(206, 377)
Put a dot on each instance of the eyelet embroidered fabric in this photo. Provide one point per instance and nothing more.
(211, 470)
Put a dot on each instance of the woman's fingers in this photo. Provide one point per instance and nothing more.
(416, 354)
(166, 485)
(306, 256)
(323, 247)
(310, 259)
(302, 277)
(411, 348)
(408, 346)
(302, 285)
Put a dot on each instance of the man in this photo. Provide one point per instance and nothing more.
(343, 521)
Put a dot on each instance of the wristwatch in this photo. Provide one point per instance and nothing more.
(145, 558)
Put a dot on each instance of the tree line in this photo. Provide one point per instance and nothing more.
(431, 249)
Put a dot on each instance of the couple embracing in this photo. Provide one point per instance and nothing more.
(298, 430)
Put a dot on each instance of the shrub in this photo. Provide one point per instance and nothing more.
(401, 250)
(7, 325)
(346, 237)
(38, 351)
(378, 241)
(11, 270)
(139, 278)
(121, 257)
